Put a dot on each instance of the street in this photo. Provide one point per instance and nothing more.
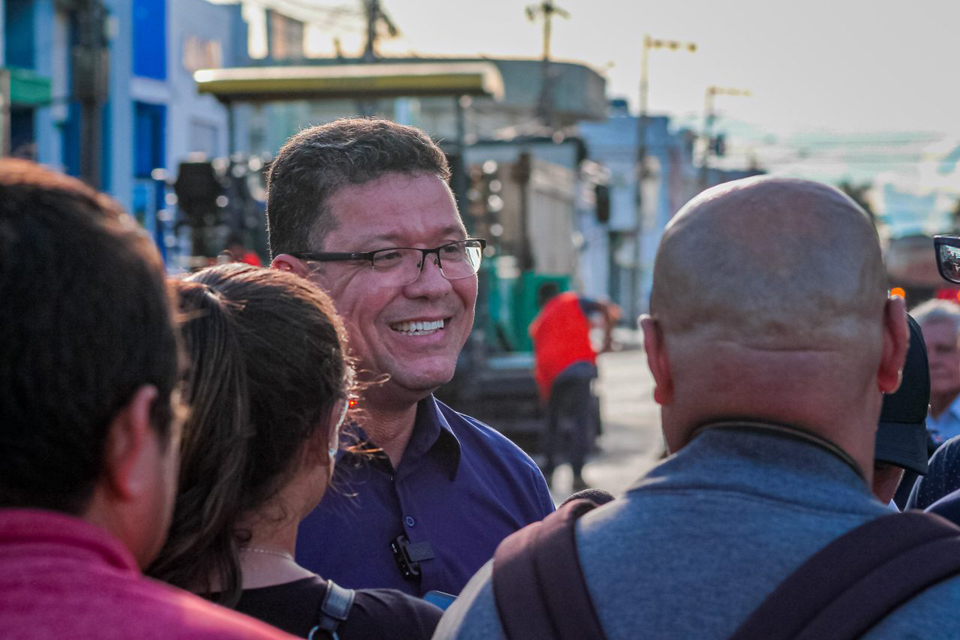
(631, 442)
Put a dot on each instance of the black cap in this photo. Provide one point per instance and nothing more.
(902, 430)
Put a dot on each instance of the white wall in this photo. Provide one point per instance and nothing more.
(550, 218)
(195, 123)
(119, 131)
(47, 51)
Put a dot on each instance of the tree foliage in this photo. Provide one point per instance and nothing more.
(859, 193)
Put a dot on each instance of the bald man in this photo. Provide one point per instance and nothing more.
(771, 341)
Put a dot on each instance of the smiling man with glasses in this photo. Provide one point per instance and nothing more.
(362, 208)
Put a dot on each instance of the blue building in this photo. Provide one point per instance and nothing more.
(151, 116)
(27, 69)
(673, 177)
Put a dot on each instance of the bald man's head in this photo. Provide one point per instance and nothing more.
(769, 305)
(772, 264)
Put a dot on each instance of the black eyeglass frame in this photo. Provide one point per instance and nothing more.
(358, 256)
(948, 241)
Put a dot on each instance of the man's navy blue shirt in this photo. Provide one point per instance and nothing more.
(460, 486)
(943, 476)
(948, 507)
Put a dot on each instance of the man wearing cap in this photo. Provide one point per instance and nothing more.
(901, 451)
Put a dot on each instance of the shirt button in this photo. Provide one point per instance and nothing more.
(409, 521)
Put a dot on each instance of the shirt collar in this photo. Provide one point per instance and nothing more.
(785, 431)
(54, 533)
(950, 414)
(759, 463)
(432, 435)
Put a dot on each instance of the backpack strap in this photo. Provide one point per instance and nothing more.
(333, 610)
(538, 584)
(855, 581)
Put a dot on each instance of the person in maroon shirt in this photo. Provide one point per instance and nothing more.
(89, 422)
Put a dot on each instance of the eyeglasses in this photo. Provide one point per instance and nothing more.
(402, 265)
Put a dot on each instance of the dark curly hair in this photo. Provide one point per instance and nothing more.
(317, 162)
(268, 364)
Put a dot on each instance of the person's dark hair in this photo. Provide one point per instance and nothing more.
(317, 162)
(235, 238)
(268, 364)
(85, 321)
(547, 292)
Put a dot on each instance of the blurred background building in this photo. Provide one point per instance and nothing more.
(105, 90)
(175, 108)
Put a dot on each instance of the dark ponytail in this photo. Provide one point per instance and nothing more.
(268, 364)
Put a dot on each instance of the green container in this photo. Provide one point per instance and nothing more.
(500, 334)
(511, 305)
(526, 298)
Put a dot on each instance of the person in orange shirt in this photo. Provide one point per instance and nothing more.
(565, 367)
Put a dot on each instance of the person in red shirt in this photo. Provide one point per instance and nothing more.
(238, 252)
(565, 367)
(89, 422)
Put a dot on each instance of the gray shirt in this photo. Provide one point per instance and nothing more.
(694, 547)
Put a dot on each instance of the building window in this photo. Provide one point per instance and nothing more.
(18, 34)
(149, 140)
(286, 37)
(201, 54)
(203, 138)
(150, 38)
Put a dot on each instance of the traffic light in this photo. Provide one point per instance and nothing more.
(720, 145)
(197, 188)
(602, 193)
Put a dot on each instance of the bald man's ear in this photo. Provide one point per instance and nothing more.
(286, 262)
(896, 340)
(656, 349)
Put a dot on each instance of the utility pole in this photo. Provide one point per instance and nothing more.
(641, 171)
(522, 172)
(545, 102)
(375, 15)
(5, 130)
(90, 63)
(709, 118)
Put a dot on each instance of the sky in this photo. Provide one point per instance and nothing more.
(847, 65)
(856, 89)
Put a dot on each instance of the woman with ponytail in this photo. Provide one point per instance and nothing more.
(269, 384)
